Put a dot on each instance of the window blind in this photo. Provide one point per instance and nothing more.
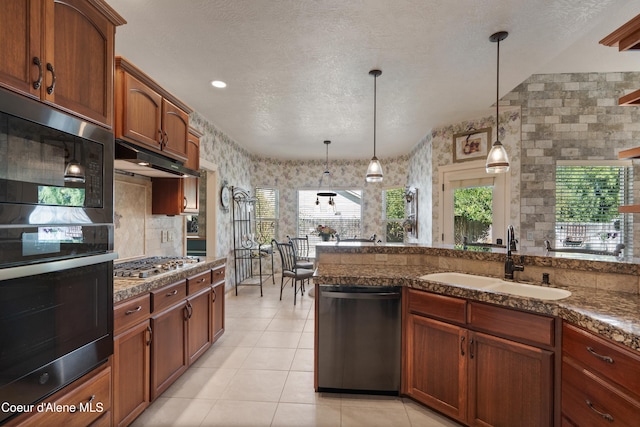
(587, 201)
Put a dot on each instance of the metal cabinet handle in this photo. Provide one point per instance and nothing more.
(92, 398)
(160, 137)
(185, 203)
(607, 417)
(600, 356)
(471, 355)
(150, 335)
(135, 310)
(188, 311)
(175, 292)
(38, 63)
(215, 295)
(462, 346)
(53, 78)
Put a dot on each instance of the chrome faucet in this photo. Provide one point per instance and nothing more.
(509, 264)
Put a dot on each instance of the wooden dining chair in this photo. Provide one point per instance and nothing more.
(291, 270)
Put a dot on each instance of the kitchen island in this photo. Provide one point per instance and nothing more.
(570, 361)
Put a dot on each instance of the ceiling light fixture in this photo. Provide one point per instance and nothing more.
(374, 171)
(219, 84)
(498, 160)
(324, 187)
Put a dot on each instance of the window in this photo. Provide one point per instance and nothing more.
(345, 216)
(266, 214)
(393, 214)
(474, 205)
(588, 195)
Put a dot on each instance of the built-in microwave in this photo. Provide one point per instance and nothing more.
(56, 184)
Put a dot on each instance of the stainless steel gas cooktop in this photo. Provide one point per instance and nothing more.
(148, 267)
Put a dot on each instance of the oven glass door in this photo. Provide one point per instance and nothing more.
(47, 317)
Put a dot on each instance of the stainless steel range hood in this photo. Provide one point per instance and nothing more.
(133, 159)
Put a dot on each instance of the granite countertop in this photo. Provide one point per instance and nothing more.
(124, 287)
(615, 315)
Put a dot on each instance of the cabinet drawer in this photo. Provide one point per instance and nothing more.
(91, 398)
(589, 401)
(169, 295)
(607, 359)
(437, 306)
(217, 275)
(509, 323)
(129, 312)
(198, 282)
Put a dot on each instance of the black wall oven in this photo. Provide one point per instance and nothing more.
(56, 250)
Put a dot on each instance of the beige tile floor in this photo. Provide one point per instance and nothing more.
(260, 373)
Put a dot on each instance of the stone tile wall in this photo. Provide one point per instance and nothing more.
(569, 117)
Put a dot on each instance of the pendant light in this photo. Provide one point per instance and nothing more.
(74, 171)
(498, 160)
(324, 187)
(374, 171)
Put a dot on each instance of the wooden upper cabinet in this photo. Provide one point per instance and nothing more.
(149, 116)
(141, 112)
(627, 37)
(20, 29)
(62, 53)
(175, 128)
(193, 150)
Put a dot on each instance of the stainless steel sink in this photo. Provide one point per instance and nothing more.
(498, 285)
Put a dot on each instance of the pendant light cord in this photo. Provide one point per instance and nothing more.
(498, 93)
(375, 96)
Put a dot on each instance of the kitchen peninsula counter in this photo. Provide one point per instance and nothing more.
(126, 287)
(609, 313)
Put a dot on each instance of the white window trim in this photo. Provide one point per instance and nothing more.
(472, 170)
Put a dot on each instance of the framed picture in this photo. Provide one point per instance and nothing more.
(471, 145)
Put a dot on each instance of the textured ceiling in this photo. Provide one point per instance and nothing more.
(298, 70)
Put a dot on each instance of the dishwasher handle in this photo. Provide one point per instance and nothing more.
(361, 295)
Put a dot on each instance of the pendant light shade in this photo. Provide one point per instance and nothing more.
(498, 160)
(325, 188)
(374, 171)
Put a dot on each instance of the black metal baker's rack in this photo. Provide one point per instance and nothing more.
(249, 250)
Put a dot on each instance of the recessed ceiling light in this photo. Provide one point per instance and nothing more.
(219, 84)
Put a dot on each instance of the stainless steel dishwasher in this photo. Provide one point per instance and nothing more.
(359, 339)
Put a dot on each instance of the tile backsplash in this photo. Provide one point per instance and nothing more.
(137, 232)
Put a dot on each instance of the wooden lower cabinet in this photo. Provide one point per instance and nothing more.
(600, 381)
(217, 317)
(199, 324)
(472, 376)
(168, 347)
(437, 365)
(91, 395)
(217, 300)
(510, 384)
(132, 359)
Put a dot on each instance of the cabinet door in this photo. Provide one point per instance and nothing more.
(140, 112)
(510, 384)
(175, 129)
(190, 194)
(217, 318)
(79, 57)
(193, 151)
(436, 365)
(199, 328)
(20, 27)
(168, 348)
(131, 360)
